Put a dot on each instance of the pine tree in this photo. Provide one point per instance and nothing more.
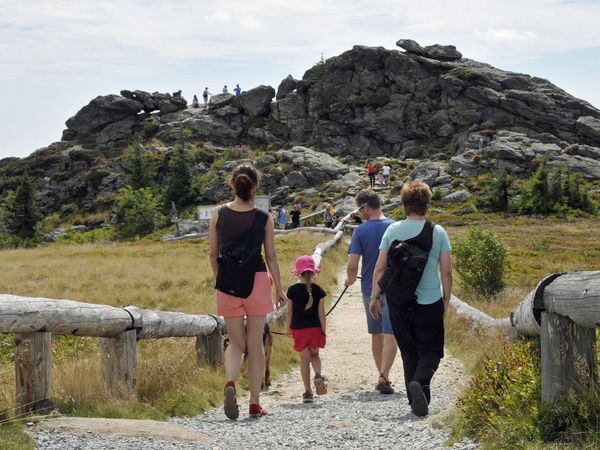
(21, 212)
(179, 186)
(137, 167)
(535, 198)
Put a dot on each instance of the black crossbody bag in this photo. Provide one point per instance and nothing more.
(406, 263)
(239, 259)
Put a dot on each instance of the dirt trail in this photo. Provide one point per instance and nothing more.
(351, 415)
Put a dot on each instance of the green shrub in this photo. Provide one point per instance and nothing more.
(138, 212)
(574, 418)
(481, 260)
(500, 405)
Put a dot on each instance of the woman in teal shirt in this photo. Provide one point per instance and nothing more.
(418, 328)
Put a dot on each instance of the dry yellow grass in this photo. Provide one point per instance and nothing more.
(171, 277)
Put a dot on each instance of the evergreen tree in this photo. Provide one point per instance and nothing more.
(497, 193)
(137, 212)
(535, 197)
(137, 167)
(179, 186)
(21, 212)
(557, 182)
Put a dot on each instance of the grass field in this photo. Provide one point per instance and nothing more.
(177, 277)
(172, 277)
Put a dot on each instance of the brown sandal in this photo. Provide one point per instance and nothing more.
(385, 387)
(320, 384)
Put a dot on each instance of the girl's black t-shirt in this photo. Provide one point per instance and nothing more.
(301, 317)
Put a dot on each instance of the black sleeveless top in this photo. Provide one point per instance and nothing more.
(234, 225)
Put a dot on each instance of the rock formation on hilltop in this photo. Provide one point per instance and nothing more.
(462, 117)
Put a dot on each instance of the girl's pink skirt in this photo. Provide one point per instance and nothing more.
(308, 338)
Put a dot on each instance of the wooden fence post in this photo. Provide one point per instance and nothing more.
(568, 356)
(209, 348)
(33, 369)
(119, 361)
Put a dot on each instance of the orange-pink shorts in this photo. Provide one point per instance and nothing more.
(259, 302)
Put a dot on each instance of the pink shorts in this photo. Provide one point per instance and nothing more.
(259, 302)
(308, 338)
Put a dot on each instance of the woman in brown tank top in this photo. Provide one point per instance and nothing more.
(231, 222)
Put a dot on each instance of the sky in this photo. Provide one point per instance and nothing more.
(57, 55)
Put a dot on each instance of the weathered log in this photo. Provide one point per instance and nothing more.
(479, 318)
(568, 356)
(575, 295)
(28, 315)
(153, 324)
(119, 355)
(209, 349)
(33, 370)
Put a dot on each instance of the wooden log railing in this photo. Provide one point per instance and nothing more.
(564, 310)
(34, 320)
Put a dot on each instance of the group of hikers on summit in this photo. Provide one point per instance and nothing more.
(406, 281)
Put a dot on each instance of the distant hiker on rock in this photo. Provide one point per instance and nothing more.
(205, 95)
(372, 171)
(328, 216)
(295, 215)
(386, 173)
(195, 103)
(365, 244)
(237, 90)
(380, 178)
(237, 231)
(225, 90)
(305, 321)
(416, 299)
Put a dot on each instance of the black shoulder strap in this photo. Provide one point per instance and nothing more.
(424, 238)
(256, 233)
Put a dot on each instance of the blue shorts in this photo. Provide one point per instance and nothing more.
(382, 324)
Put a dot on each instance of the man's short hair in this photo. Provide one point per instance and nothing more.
(369, 198)
(415, 197)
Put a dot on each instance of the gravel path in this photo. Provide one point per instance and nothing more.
(351, 416)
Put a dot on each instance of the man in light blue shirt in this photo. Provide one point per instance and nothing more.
(418, 326)
(365, 243)
(281, 217)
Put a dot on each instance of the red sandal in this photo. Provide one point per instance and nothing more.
(232, 410)
(256, 411)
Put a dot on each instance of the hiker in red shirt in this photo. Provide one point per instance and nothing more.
(372, 172)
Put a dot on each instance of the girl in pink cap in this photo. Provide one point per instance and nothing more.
(305, 321)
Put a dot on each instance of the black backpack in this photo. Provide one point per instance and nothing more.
(239, 259)
(406, 262)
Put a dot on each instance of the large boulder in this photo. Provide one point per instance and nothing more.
(411, 47)
(589, 127)
(115, 132)
(101, 111)
(287, 85)
(442, 52)
(315, 166)
(256, 102)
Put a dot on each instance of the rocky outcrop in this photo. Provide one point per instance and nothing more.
(373, 101)
(111, 119)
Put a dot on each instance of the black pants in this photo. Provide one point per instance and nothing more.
(372, 179)
(419, 332)
(295, 224)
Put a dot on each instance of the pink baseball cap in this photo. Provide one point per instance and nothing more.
(305, 263)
